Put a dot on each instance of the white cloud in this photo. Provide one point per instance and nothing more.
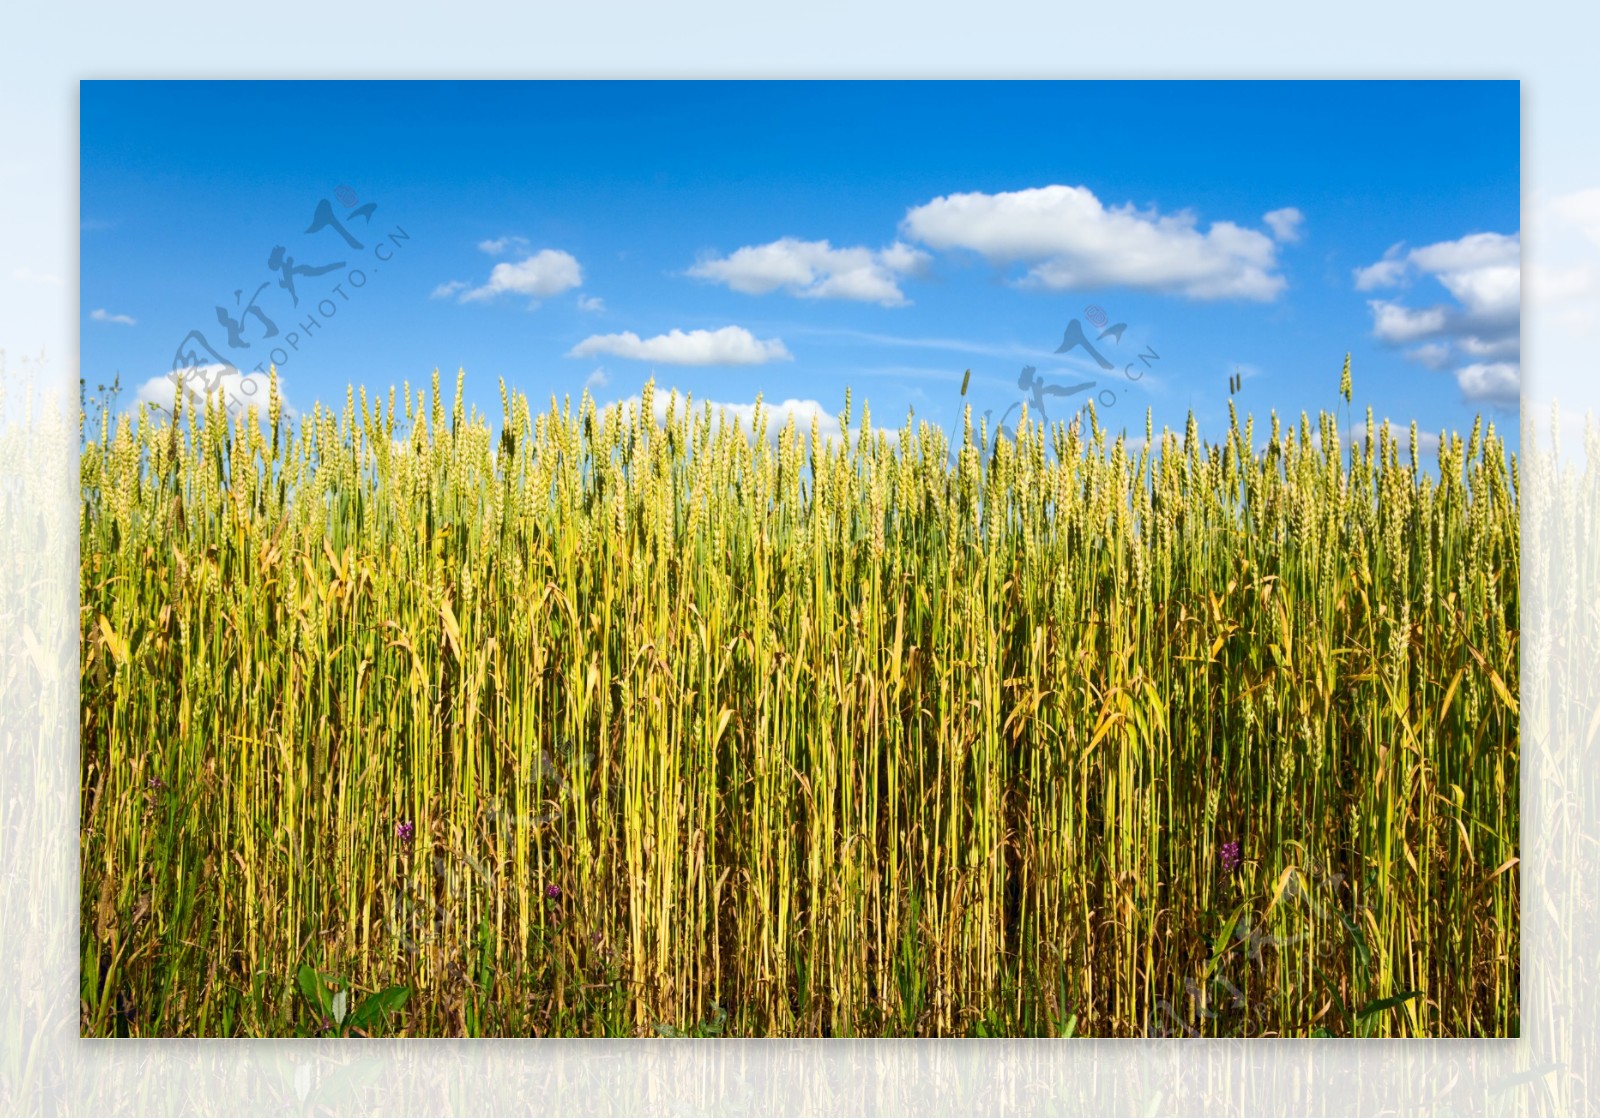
(901, 257)
(1482, 272)
(1435, 355)
(1476, 250)
(1386, 273)
(591, 303)
(238, 389)
(1505, 346)
(597, 379)
(1498, 382)
(101, 315)
(1285, 223)
(547, 272)
(1071, 240)
(815, 269)
(501, 244)
(1491, 293)
(1398, 325)
(732, 345)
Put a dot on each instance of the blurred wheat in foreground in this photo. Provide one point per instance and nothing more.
(640, 721)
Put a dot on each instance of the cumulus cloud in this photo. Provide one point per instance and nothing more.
(1480, 328)
(732, 345)
(1069, 239)
(597, 379)
(817, 270)
(1386, 273)
(1435, 355)
(238, 389)
(1397, 324)
(102, 315)
(547, 272)
(1504, 346)
(1498, 381)
(1285, 223)
(500, 244)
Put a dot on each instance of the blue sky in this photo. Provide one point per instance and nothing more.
(792, 238)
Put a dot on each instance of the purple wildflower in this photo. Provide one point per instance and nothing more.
(404, 831)
(1230, 856)
(552, 891)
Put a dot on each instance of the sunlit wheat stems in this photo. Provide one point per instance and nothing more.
(605, 720)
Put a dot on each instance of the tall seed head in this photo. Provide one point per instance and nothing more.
(436, 414)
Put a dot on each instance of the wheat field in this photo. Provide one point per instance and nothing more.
(642, 721)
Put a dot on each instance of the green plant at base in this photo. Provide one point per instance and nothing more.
(330, 999)
(709, 1027)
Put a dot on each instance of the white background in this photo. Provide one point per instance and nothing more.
(44, 52)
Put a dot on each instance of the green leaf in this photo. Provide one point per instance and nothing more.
(1320, 1032)
(1378, 1005)
(1356, 939)
(315, 992)
(1221, 943)
(373, 1008)
(1333, 993)
(341, 1004)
